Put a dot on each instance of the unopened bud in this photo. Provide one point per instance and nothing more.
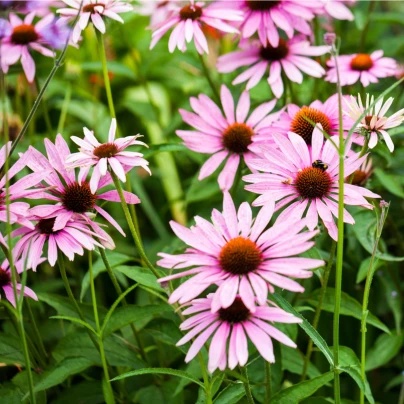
(384, 204)
(329, 38)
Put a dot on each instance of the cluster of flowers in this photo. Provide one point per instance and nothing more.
(291, 154)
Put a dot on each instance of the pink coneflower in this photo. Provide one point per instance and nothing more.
(105, 155)
(7, 285)
(159, 10)
(73, 195)
(289, 56)
(375, 123)
(188, 21)
(362, 66)
(307, 178)
(230, 327)
(363, 173)
(300, 119)
(72, 239)
(96, 10)
(18, 211)
(266, 16)
(22, 37)
(231, 136)
(238, 255)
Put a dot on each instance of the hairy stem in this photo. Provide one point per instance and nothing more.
(246, 383)
(268, 382)
(209, 78)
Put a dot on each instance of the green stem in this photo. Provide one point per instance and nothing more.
(63, 112)
(97, 324)
(209, 78)
(45, 111)
(205, 379)
(107, 83)
(319, 308)
(268, 382)
(38, 337)
(247, 387)
(132, 229)
(124, 302)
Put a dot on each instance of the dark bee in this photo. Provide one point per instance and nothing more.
(319, 164)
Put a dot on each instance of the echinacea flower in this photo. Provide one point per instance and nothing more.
(361, 66)
(363, 173)
(72, 195)
(229, 328)
(306, 179)
(7, 285)
(96, 10)
(104, 156)
(23, 37)
(375, 123)
(188, 21)
(266, 16)
(158, 10)
(226, 137)
(289, 56)
(72, 239)
(301, 120)
(238, 255)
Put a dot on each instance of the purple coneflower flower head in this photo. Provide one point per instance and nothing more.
(96, 10)
(337, 9)
(74, 238)
(104, 156)
(23, 37)
(306, 179)
(230, 329)
(231, 137)
(41, 7)
(362, 66)
(363, 173)
(72, 195)
(238, 255)
(7, 285)
(188, 21)
(265, 17)
(291, 56)
(375, 123)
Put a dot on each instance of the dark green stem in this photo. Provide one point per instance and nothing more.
(246, 383)
(268, 382)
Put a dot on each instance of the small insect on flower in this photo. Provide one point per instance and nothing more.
(319, 164)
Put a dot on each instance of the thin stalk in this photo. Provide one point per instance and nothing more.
(38, 337)
(247, 387)
(268, 382)
(63, 112)
(98, 328)
(132, 229)
(124, 302)
(319, 308)
(205, 379)
(132, 207)
(45, 111)
(107, 83)
(401, 397)
(209, 78)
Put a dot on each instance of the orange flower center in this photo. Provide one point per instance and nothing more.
(24, 34)
(303, 121)
(191, 12)
(105, 150)
(264, 5)
(90, 8)
(361, 62)
(5, 277)
(313, 183)
(45, 226)
(240, 256)
(236, 313)
(78, 198)
(272, 54)
(237, 138)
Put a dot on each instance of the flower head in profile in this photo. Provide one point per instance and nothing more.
(188, 21)
(232, 136)
(7, 285)
(75, 237)
(266, 16)
(23, 36)
(94, 10)
(375, 123)
(361, 66)
(230, 329)
(104, 156)
(306, 180)
(363, 173)
(72, 194)
(236, 253)
(291, 56)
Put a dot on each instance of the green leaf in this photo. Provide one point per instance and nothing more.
(141, 275)
(166, 331)
(307, 327)
(385, 348)
(300, 391)
(293, 361)
(392, 297)
(390, 182)
(232, 394)
(364, 228)
(161, 371)
(128, 314)
(363, 269)
(349, 307)
(396, 381)
(90, 392)
(167, 147)
(10, 350)
(75, 320)
(387, 18)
